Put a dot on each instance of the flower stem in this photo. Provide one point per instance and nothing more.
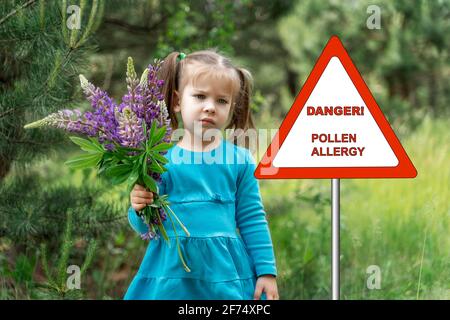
(186, 268)
(178, 220)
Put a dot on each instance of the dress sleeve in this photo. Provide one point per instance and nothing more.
(135, 221)
(251, 219)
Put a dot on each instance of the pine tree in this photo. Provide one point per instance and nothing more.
(57, 286)
(41, 55)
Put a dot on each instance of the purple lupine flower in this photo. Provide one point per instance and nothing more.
(157, 177)
(118, 124)
(151, 232)
(165, 121)
(162, 214)
(149, 235)
(122, 124)
(69, 120)
(144, 99)
(103, 114)
(110, 146)
(131, 78)
(134, 99)
(130, 129)
(151, 93)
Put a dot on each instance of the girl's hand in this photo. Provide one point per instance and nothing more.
(268, 284)
(140, 197)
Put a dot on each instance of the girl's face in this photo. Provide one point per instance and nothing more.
(209, 100)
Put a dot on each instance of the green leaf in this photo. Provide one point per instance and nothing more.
(125, 150)
(107, 156)
(116, 180)
(144, 124)
(119, 170)
(152, 134)
(162, 147)
(119, 173)
(160, 133)
(144, 165)
(84, 161)
(161, 227)
(95, 142)
(154, 167)
(122, 151)
(133, 177)
(160, 158)
(151, 183)
(142, 157)
(120, 156)
(109, 159)
(101, 170)
(87, 145)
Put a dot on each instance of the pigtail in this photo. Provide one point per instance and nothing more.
(169, 72)
(242, 116)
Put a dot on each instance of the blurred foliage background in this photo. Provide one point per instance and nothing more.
(51, 217)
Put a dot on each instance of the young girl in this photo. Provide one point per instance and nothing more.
(211, 199)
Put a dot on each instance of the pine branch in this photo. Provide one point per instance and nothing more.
(9, 15)
(89, 256)
(6, 112)
(29, 142)
(65, 251)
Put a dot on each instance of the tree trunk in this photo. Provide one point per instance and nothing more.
(5, 166)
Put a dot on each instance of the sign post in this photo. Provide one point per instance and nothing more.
(335, 244)
(335, 130)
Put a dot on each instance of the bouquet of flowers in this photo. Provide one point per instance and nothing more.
(125, 142)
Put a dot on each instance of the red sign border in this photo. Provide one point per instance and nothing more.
(404, 169)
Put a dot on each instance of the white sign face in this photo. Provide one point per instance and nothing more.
(335, 128)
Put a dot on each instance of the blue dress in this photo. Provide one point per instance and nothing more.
(213, 193)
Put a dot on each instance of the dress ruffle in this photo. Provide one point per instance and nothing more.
(220, 268)
(163, 288)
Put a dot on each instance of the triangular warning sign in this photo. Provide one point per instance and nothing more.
(335, 129)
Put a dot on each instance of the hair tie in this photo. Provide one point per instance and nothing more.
(181, 56)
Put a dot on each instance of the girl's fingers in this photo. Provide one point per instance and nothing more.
(142, 194)
(138, 187)
(139, 200)
(145, 194)
(272, 297)
(138, 207)
(140, 197)
(258, 292)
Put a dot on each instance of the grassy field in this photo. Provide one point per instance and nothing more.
(399, 225)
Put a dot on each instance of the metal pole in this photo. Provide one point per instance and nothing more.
(335, 247)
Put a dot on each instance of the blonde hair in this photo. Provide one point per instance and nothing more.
(210, 63)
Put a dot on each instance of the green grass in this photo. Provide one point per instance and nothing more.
(400, 225)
